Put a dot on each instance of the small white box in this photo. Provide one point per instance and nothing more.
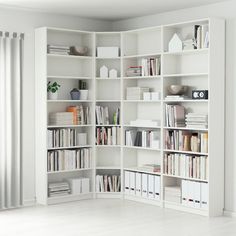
(155, 96)
(107, 52)
(85, 185)
(147, 96)
(75, 185)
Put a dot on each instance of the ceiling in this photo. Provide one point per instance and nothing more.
(105, 9)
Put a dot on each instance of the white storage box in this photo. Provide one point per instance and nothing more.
(75, 185)
(85, 185)
(82, 139)
(107, 52)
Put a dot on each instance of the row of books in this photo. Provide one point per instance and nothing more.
(144, 138)
(186, 141)
(102, 116)
(142, 185)
(65, 138)
(175, 115)
(61, 160)
(185, 165)
(108, 135)
(81, 114)
(58, 189)
(201, 36)
(150, 66)
(108, 183)
(57, 49)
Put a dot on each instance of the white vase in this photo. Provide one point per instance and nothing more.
(52, 96)
(83, 94)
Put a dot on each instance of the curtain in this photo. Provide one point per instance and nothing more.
(10, 120)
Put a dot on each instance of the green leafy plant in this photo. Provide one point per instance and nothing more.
(53, 87)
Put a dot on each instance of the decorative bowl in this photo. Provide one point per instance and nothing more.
(79, 50)
(177, 89)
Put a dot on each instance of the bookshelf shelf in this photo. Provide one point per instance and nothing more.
(200, 69)
(187, 152)
(180, 177)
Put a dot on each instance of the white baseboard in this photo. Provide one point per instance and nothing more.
(29, 202)
(230, 213)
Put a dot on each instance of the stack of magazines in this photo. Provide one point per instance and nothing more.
(59, 50)
(58, 189)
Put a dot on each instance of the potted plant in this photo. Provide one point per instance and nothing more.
(52, 90)
(83, 90)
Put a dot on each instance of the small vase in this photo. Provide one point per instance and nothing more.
(52, 96)
(75, 94)
(84, 94)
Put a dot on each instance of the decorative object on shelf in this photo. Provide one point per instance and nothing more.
(113, 74)
(104, 72)
(147, 96)
(78, 50)
(75, 94)
(155, 96)
(189, 44)
(107, 52)
(83, 90)
(52, 89)
(200, 94)
(176, 89)
(175, 44)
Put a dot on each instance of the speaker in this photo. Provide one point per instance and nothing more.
(199, 94)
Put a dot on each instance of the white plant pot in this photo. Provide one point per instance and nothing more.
(52, 96)
(83, 94)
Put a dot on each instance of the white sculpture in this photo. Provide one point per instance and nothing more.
(113, 74)
(104, 72)
(175, 44)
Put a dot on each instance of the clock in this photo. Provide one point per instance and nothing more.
(199, 94)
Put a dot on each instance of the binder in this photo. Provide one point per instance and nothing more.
(204, 195)
(138, 183)
(132, 183)
(184, 192)
(127, 174)
(190, 193)
(197, 194)
(157, 187)
(144, 185)
(151, 186)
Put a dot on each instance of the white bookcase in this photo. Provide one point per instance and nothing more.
(198, 68)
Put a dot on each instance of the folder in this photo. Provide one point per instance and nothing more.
(204, 195)
(157, 187)
(151, 186)
(138, 183)
(190, 193)
(132, 183)
(197, 194)
(127, 174)
(184, 192)
(144, 185)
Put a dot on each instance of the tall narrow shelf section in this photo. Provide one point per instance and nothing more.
(132, 134)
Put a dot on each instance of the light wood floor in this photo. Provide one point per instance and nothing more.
(113, 217)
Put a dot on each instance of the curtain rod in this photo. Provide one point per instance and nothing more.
(13, 34)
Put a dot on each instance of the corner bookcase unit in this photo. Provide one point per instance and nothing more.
(199, 69)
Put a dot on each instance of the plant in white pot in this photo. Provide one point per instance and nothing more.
(53, 90)
(83, 90)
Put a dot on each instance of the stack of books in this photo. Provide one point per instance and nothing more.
(81, 114)
(108, 135)
(175, 116)
(134, 71)
(136, 93)
(150, 66)
(145, 138)
(60, 160)
(61, 118)
(59, 50)
(145, 123)
(196, 120)
(185, 165)
(150, 168)
(102, 116)
(108, 183)
(176, 97)
(186, 141)
(58, 189)
(173, 194)
(201, 36)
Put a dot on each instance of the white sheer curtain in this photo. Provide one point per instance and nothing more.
(10, 119)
